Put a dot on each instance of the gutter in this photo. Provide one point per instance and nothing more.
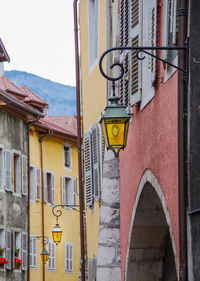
(79, 142)
(182, 140)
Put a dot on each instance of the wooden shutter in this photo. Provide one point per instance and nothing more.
(33, 183)
(18, 174)
(52, 188)
(149, 39)
(24, 250)
(63, 190)
(12, 172)
(8, 252)
(45, 186)
(8, 159)
(75, 190)
(53, 251)
(69, 256)
(95, 162)
(88, 170)
(38, 187)
(24, 175)
(1, 168)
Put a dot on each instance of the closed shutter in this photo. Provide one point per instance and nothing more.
(24, 250)
(8, 252)
(45, 186)
(53, 256)
(12, 172)
(33, 183)
(130, 84)
(95, 162)
(92, 264)
(8, 159)
(149, 39)
(88, 170)
(19, 175)
(1, 168)
(71, 257)
(38, 178)
(52, 188)
(63, 191)
(24, 175)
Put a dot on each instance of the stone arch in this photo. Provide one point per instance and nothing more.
(151, 251)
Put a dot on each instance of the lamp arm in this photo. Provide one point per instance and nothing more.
(138, 50)
(45, 239)
(58, 212)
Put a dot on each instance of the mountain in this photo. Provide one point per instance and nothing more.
(61, 98)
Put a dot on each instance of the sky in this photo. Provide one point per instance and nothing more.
(39, 38)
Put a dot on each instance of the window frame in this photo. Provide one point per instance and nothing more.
(17, 175)
(66, 145)
(52, 189)
(64, 191)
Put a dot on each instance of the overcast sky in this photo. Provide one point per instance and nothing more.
(39, 37)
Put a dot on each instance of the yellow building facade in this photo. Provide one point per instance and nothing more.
(92, 20)
(53, 180)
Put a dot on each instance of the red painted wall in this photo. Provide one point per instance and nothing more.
(152, 144)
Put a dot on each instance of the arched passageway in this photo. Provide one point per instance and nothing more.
(150, 254)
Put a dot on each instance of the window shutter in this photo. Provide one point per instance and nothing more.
(19, 175)
(13, 248)
(52, 188)
(174, 28)
(12, 171)
(88, 170)
(63, 191)
(33, 184)
(96, 162)
(7, 182)
(53, 256)
(71, 256)
(24, 175)
(8, 249)
(24, 250)
(149, 39)
(2, 168)
(70, 192)
(38, 178)
(45, 186)
(92, 264)
(75, 190)
(50, 255)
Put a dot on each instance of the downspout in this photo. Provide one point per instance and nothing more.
(42, 187)
(79, 142)
(182, 139)
(28, 204)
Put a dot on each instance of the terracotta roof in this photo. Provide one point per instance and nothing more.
(61, 124)
(32, 97)
(9, 101)
(3, 53)
(10, 87)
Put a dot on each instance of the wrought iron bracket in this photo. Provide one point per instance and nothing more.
(139, 50)
(58, 212)
(45, 239)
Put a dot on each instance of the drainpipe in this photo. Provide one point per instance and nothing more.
(42, 183)
(28, 204)
(182, 139)
(79, 142)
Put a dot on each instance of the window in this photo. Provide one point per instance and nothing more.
(1, 168)
(137, 28)
(49, 187)
(170, 33)
(51, 264)
(69, 187)
(2, 243)
(17, 173)
(93, 32)
(35, 183)
(8, 165)
(17, 252)
(33, 252)
(92, 165)
(69, 257)
(67, 156)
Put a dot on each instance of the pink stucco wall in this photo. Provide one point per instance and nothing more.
(152, 144)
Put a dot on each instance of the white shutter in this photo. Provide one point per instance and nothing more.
(149, 39)
(95, 161)
(53, 256)
(75, 190)
(38, 179)
(52, 188)
(45, 186)
(24, 175)
(8, 249)
(12, 171)
(71, 256)
(88, 170)
(2, 168)
(24, 250)
(7, 182)
(18, 174)
(13, 247)
(33, 183)
(63, 190)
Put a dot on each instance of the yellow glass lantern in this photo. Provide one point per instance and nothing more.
(57, 234)
(44, 256)
(115, 124)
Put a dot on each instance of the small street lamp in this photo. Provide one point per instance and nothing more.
(45, 254)
(57, 231)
